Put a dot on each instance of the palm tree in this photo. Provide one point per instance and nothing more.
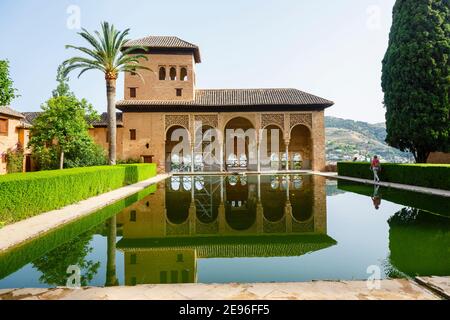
(108, 55)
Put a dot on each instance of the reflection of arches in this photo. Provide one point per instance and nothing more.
(302, 200)
(300, 147)
(240, 215)
(183, 74)
(178, 161)
(242, 143)
(177, 206)
(162, 73)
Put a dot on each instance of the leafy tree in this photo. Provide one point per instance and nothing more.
(54, 264)
(61, 126)
(109, 55)
(59, 136)
(416, 78)
(7, 91)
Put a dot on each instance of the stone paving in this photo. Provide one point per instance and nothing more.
(398, 289)
(436, 192)
(17, 233)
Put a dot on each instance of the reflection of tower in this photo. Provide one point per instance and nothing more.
(160, 266)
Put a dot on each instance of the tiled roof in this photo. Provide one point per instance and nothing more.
(165, 42)
(6, 110)
(103, 122)
(236, 98)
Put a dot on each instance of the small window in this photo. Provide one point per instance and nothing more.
(4, 126)
(183, 74)
(133, 216)
(133, 259)
(162, 73)
(132, 92)
(173, 73)
(179, 92)
(133, 134)
(133, 72)
(180, 258)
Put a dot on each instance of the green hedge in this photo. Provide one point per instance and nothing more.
(424, 175)
(23, 195)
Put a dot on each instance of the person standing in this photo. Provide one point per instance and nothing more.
(375, 167)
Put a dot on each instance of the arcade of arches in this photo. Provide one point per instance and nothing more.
(292, 141)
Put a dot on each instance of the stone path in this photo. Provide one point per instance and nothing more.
(17, 233)
(436, 192)
(398, 289)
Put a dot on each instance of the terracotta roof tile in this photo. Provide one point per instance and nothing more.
(237, 98)
(165, 42)
(6, 110)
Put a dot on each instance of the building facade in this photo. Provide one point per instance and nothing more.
(160, 103)
(14, 136)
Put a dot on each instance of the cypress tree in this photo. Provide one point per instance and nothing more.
(416, 78)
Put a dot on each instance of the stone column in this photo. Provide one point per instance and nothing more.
(192, 157)
(258, 156)
(192, 210)
(259, 209)
(286, 143)
(288, 208)
(221, 218)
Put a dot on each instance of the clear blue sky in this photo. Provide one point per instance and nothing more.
(329, 48)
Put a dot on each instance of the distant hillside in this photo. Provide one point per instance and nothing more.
(348, 138)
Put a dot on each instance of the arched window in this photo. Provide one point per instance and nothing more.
(183, 74)
(162, 73)
(173, 73)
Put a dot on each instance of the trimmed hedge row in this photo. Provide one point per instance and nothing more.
(424, 175)
(23, 195)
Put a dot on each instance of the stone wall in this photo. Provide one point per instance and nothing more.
(154, 89)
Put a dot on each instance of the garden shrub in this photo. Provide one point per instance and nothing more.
(26, 194)
(424, 175)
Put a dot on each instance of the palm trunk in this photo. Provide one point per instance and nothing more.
(112, 127)
(111, 277)
(61, 160)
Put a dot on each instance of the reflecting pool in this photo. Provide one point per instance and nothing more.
(219, 229)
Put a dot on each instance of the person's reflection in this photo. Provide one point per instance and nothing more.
(111, 278)
(376, 198)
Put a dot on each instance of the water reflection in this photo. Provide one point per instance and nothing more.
(189, 218)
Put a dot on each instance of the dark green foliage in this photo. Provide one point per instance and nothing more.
(416, 78)
(23, 195)
(7, 91)
(424, 175)
(419, 243)
(54, 264)
(15, 158)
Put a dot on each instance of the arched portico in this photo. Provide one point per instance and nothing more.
(240, 144)
(177, 149)
(300, 148)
